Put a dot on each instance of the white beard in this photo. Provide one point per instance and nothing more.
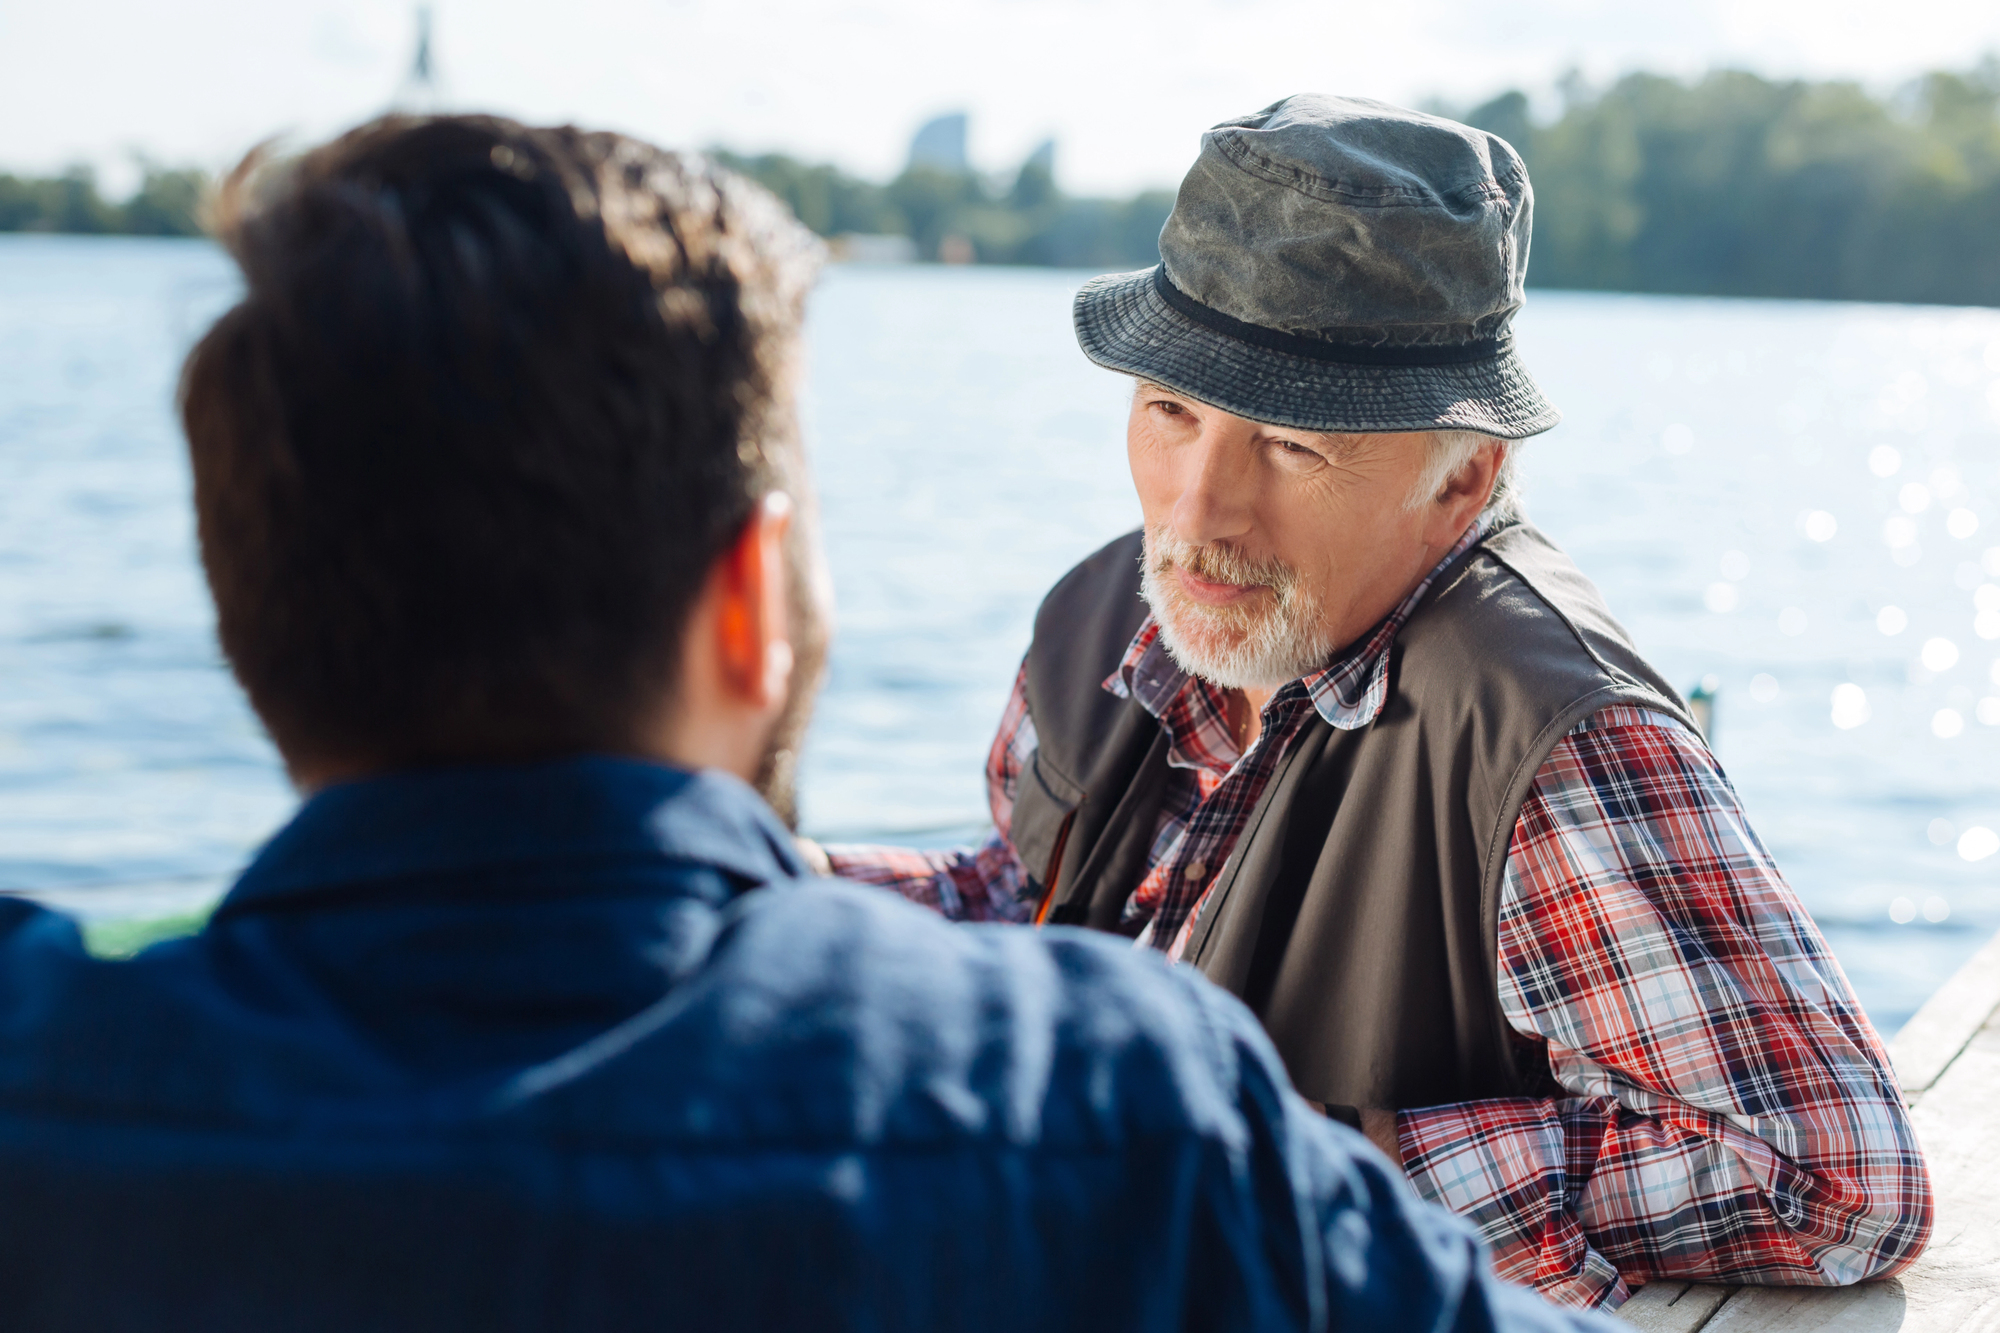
(1236, 648)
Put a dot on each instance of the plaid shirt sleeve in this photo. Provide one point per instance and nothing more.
(983, 883)
(1728, 1112)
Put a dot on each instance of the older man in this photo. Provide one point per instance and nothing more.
(1344, 731)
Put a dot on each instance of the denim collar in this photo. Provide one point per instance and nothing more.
(445, 821)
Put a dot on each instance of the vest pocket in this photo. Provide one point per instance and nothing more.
(1045, 808)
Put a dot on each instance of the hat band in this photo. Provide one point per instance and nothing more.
(1347, 354)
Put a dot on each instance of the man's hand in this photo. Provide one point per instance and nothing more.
(1380, 1127)
(814, 856)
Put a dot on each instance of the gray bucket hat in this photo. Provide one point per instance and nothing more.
(1336, 264)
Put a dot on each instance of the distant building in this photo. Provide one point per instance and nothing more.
(940, 144)
(1043, 158)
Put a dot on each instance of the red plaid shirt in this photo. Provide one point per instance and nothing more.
(1730, 1114)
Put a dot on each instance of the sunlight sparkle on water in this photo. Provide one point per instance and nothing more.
(1978, 842)
(1850, 706)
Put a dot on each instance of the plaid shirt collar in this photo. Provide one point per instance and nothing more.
(1348, 692)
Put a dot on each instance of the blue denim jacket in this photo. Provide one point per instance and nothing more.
(575, 1046)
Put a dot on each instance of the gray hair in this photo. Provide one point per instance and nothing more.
(1452, 450)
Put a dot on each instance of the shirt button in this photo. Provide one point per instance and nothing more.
(1195, 869)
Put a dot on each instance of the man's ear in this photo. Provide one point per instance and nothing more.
(1465, 493)
(751, 606)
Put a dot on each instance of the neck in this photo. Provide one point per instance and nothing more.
(1246, 715)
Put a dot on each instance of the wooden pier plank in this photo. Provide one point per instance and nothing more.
(1932, 1039)
(1673, 1307)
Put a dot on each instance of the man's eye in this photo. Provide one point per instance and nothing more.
(1295, 448)
(1171, 409)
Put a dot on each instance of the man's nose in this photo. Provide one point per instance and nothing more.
(1217, 491)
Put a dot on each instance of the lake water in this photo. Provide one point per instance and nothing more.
(1797, 499)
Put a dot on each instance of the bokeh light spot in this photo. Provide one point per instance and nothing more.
(1850, 706)
(1940, 654)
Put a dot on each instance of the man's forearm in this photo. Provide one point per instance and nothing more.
(1572, 1193)
(982, 883)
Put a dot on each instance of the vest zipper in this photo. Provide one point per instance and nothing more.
(1054, 872)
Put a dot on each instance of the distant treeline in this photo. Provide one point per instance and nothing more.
(1730, 185)
(168, 203)
(1736, 185)
(963, 215)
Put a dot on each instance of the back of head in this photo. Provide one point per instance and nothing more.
(494, 399)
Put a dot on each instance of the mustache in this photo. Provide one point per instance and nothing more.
(1218, 562)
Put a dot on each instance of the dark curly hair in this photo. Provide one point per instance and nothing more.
(493, 401)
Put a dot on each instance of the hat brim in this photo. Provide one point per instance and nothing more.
(1124, 324)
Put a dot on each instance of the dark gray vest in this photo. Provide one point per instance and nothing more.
(1356, 914)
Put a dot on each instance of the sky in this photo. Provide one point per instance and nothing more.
(1124, 86)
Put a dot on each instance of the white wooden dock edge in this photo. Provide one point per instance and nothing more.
(1948, 1059)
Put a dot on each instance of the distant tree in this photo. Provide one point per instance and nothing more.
(936, 204)
(1739, 185)
(825, 198)
(23, 203)
(75, 205)
(168, 203)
